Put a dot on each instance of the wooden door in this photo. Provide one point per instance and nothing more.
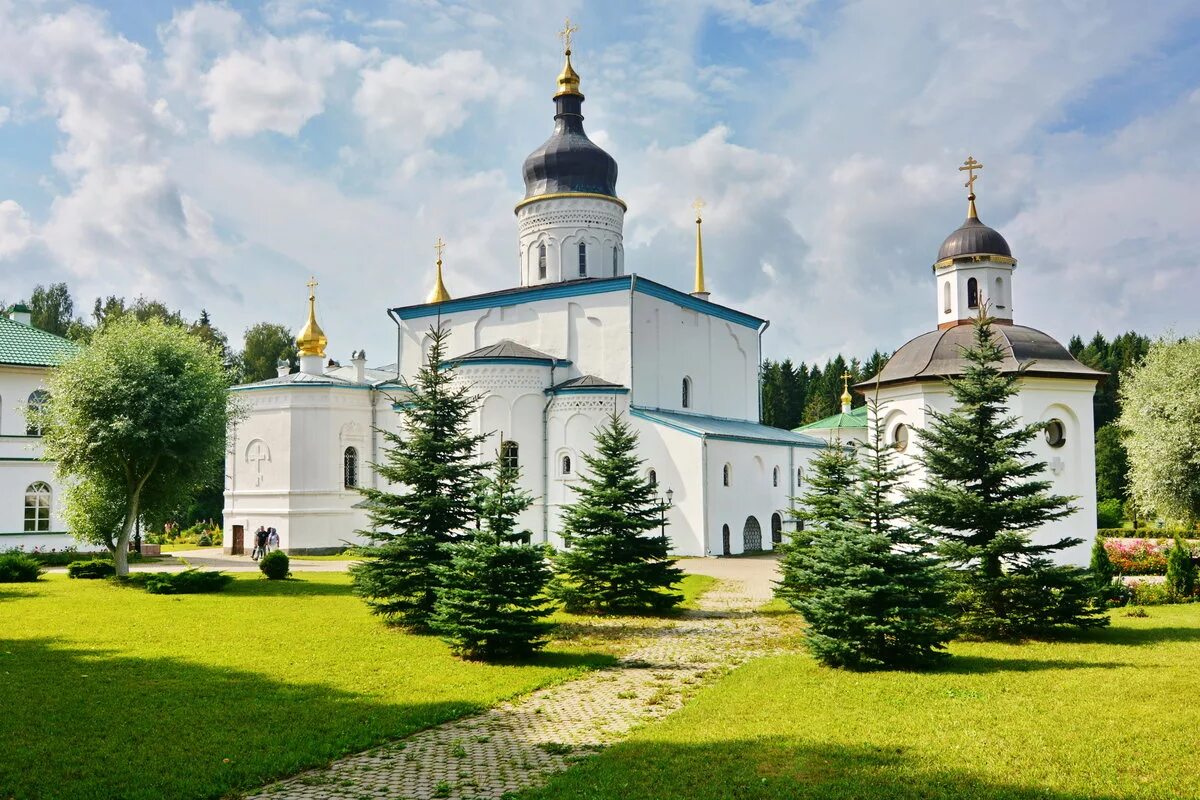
(238, 546)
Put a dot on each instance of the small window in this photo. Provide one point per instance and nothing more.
(37, 508)
(582, 260)
(615, 259)
(510, 455)
(652, 478)
(972, 293)
(775, 477)
(946, 297)
(33, 405)
(542, 261)
(565, 465)
(999, 297)
(799, 476)
(1056, 433)
(686, 399)
(350, 468)
(900, 436)
(727, 475)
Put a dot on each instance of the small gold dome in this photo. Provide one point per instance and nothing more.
(439, 293)
(311, 340)
(568, 79)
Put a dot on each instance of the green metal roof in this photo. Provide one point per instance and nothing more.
(854, 419)
(29, 346)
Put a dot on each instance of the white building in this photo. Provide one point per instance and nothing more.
(576, 340)
(973, 271)
(30, 502)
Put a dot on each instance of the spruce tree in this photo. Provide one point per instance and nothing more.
(1181, 570)
(869, 584)
(983, 496)
(492, 603)
(610, 564)
(1109, 588)
(434, 462)
(824, 503)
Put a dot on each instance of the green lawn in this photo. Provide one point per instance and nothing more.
(110, 692)
(1110, 715)
(175, 547)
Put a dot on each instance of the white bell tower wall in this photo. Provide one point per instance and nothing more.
(553, 227)
(966, 285)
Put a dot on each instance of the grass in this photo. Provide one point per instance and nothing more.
(108, 691)
(175, 547)
(1107, 715)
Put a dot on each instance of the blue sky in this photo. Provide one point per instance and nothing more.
(216, 154)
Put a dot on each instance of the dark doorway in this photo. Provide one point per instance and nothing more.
(776, 529)
(237, 544)
(724, 540)
(751, 536)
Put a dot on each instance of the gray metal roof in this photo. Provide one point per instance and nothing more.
(722, 428)
(505, 348)
(974, 238)
(937, 354)
(588, 381)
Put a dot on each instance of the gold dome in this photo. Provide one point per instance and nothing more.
(311, 340)
(439, 293)
(568, 79)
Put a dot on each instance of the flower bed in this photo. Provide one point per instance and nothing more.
(1143, 556)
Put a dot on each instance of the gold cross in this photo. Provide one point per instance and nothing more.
(439, 245)
(565, 35)
(969, 166)
(846, 376)
(697, 205)
(312, 284)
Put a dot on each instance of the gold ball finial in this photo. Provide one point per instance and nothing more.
(311, 340)
(439, 293)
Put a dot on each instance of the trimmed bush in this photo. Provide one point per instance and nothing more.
(275, 565)
(1144, 593)
(19, 568)
(190, 581)
(204, 540)
(95, 568)
(1181, 570)
(1110, 513)
(1147, 533)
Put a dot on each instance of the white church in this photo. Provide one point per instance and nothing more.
(579, 338)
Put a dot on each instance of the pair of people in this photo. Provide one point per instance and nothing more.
(265, 540)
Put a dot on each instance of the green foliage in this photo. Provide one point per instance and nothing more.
(796, 395)
(434, 461)
(52, 308)
(1147, 593)
(983, 496)
(1110, 513)
(610, 564)
(1181, 569)
(96, 568)
(491, 603)
(868, 583)
(1114, 357)
(1160, 423)
(136, 422)
(264, 345)
(16, 567)
(1108, 587)
(1112, 465)
(275, 565)
(190, 581)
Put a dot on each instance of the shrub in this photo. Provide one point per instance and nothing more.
(190, 581)
(19, 568)
(204, 540)
(1110, 513)
(1144, 593)
(1138, 556)
(275, 565)
(1181, 570)
(1146, 533)
(95, 568)
(1109, 588)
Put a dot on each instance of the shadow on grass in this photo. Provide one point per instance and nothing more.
(775, 769)
(959, 664)
(13, 593)
(1134, 636)
(89, 724)
(260, 586)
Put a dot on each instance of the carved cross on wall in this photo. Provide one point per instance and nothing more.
(257, 454)
(1056, 465)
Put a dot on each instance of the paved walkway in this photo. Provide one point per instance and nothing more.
(520, 744)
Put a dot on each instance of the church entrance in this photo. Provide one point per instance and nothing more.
(776, 529)
(237, 544)
(724, 540)
(751, 536)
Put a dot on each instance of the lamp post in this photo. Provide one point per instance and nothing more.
(662, 514)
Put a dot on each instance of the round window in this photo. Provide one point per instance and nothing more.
(900, 437)
(1056, 433)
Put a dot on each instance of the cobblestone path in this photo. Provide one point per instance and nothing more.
(519, 744)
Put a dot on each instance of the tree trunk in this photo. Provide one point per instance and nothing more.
(121, 556)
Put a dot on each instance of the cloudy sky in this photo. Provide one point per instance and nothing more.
(214, 155)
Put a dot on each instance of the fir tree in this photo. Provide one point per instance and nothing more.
(822, 504)
(491, 604)
(1181, 570)
(434, 459)
(983, 497)
(610, 564)
(1108, 587)
(868, 584)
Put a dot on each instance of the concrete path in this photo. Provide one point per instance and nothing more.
(522, 743)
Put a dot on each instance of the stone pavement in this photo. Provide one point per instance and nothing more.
(520, 744)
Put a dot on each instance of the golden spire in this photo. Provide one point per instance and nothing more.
(699, 287)
(439, 293)
(969, 166)
(311, 340)
(568, 79)
(847, 398)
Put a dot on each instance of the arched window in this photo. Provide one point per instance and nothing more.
(510, 454)
(542, 261)
(725, 545)
(727, 475)
(1056, 433)
(615, 259)
(565, 465)
(900, 435)
(799, 476)
(775, 477)
(350, 468)
(36, 401)
(972, 293)
(686, 400)
(652, 478)
(998, 298)
(946, 297)
(37, 507)
(582, 260)
(776, 528)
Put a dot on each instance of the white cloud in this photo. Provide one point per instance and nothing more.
(16, 231)
(285, 13)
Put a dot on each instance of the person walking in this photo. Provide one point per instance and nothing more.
(272, 539)
(260, 543)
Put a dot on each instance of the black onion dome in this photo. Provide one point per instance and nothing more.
(973, 238)
(569, 161)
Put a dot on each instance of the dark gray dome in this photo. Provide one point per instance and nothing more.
(939, 353)
(974, 238)
(569, 161)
